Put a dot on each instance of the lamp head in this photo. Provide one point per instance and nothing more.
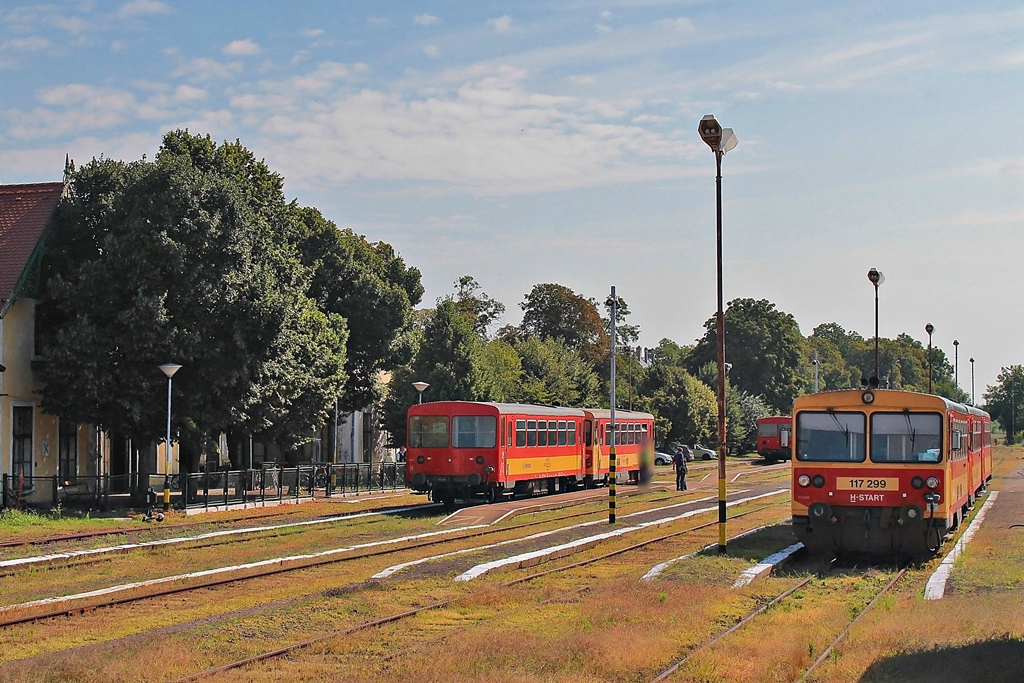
(876, 277)
(956, 343)
(929, 328)
(170, 368)
(710, 132)
(420, 386)
(972, 360)
(3, 368)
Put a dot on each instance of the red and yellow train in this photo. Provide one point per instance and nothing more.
(885, 472)
(773, 437)
(458, 449)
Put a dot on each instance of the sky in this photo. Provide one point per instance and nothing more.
(556, 141)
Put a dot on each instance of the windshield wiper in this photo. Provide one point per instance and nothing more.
(844, 430)
(910, 429)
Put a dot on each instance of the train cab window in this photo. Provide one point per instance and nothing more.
(830, 436)
(588, 433)
(474, 431)
(428, 431)
(767, 429)
(531, 432)
(542, 433)
(563, 437)
(572, 433)
(552, 433)
(906, 437)
(520, 433)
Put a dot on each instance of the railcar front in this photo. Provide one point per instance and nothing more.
(878, 472)
(773, 437)
(633, 439)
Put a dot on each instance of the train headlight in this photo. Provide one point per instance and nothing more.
(421, 460)
(479, 460)
(868, 397)
(932, 482)
(818, 481)
(917, 482)
(803, 480)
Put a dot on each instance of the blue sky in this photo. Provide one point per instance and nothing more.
(528, 142)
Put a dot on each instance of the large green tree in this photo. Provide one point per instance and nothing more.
(554, 374)
(555, 311)
(764, 347)
(686, 408)
(1003, 400)
(184, 259)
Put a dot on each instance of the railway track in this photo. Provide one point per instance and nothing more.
(71, 605)
(406, 614)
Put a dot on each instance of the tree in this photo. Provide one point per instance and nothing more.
(183, 259)
(1003, 399)
(368, 285)
(554, 374)
(555, 311)
(765, 349)
(686, 408)
(475, 303)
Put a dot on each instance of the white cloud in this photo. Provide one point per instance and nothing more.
(186, 93)
(204, 69)
(241, 48)
(431, 50)
(426, 20)
(313, 32)
(138, 8)
(601, 28)
(678, 25)
(30, 44)
(501, 24)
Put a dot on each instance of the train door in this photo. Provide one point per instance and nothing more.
(784, 431)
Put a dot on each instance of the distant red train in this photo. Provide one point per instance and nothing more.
(883, 472)
(773, 437)
(459, 449)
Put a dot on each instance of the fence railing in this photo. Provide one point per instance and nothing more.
(204, 489)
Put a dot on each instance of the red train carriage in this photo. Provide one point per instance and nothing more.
(773, 437)
(457, 449)
(885, 472)
(634, 441)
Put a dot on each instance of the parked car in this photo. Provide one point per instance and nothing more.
(661, 458)
(702, 453)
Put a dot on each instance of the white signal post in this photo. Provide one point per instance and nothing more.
(168, 369)
(613, 304)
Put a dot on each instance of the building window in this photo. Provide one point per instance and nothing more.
(21, 454)
(67, 448)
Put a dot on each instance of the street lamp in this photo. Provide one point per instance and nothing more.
(613, 304)
(168, 369)
(972, 383)
(929, 328)
(720, 140)
(420, 386)
(956, 363)
(876, 278)
(815, 361)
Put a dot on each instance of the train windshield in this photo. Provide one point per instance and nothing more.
(474, 431)
(428, 431)
(830, 437)
(906, 437)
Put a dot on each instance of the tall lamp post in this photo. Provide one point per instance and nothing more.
(420, 387)
(929, 328)
(972, 383)
(720, 140)
(956, 363)
(876, 278)
(613, 304)
(168, 369)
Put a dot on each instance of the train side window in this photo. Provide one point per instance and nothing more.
(563, 437)
(552, 433)
(573, 426)
(542, 433)
(632, 434)
(520, 433)
(588, 433)
(531, 433)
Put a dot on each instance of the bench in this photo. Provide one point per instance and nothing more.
(77, 490)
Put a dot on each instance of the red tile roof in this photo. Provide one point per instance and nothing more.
(25, 212)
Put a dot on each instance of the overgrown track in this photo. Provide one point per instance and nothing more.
(74, 606)
(279, 652)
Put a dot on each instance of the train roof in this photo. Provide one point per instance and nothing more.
(528, 409)
(602, 413)
(886, 398)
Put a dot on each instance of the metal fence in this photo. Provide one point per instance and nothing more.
(204, 489)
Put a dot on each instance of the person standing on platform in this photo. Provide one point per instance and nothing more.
(679, 459)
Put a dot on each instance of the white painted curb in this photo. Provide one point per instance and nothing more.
(936, 586)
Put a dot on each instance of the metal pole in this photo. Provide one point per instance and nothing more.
(929, 329)
(815, 372)
(1013, 406)
(956, 363)
(972, 383)
(167, 452)
(720, 326)
(876, 332)
(611, 447)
